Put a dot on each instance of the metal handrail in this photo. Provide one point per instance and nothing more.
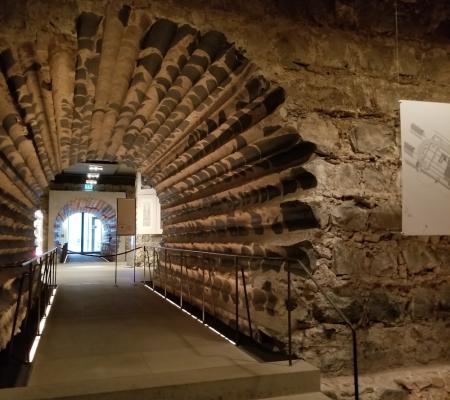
(39, 271)
(289, 261)
(37, 258)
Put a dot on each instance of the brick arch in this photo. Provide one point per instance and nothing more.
(101, 209)
(188, 110)
(185, 108)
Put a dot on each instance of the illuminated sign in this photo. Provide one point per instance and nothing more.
(95, 168)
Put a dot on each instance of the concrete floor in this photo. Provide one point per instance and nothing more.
(80, 258)
(103, 341)
(97, 330)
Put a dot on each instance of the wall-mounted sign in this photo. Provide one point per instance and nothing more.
(126, 217)
(425, 135)
(148, 214)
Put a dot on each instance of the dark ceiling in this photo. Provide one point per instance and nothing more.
(110, 174)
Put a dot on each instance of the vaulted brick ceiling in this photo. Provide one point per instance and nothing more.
(186, 109)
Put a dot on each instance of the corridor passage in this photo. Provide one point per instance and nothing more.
(97, 330)
(127, 342)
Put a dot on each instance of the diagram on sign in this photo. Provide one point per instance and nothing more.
(429, 156)
(425, 138)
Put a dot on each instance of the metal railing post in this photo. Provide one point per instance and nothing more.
(56, 264)
(156, 265)
(355, 364)
(150, 270)
(246, 303)
(289, 307)
(46, 279)
(30, 291)
(145, 263)
(203, 290)
(134, 260)
(236, 283)
(16, 313)
(188, 281)
(181, 280)
(207, 257)
(165, 274)
(211, 288)
(50, 271)
(39, 299)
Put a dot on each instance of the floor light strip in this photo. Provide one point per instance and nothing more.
(191, 315)
(37, 338)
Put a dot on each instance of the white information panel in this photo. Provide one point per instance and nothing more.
(425, 135)
(148, 214)
(126, 217)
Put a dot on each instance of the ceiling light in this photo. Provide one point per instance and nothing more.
(91, 181)
(93, 176)
(95, 168)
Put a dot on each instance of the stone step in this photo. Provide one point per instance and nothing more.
(304, 396)
(240, 382)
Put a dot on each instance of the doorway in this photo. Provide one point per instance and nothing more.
(83, 232)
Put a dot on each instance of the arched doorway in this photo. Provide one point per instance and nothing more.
(87, 218)
(84, 233)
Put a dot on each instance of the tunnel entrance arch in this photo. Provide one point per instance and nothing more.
(98, 208)
(186, 109)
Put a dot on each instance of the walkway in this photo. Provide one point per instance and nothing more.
(107, 340)
(80, 258)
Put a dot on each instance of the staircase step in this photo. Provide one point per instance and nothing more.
(304, 396)
(240, 382)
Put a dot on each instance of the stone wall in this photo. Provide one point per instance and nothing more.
(145, 240)
(336, 60)
(337, 63)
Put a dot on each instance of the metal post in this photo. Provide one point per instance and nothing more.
(134, 261)
(115, 271)
(236, 277)
(171, 273)
(355, 364)
(53, 269)
(50, 271)
(46, 280)
(165, 273)
(56, 264)
(151, 275)
(246, 303)
(82, 233)
(145, 258)
(16, 313)
(181, 280)
(39, 289)
(211, 287)
(289, 307)
(155, 261)
(188, 280)
(30, 290)
(203, 291)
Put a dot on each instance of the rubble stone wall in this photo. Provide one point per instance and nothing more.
(336, 59)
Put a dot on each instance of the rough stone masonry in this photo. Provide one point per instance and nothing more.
(337, 62)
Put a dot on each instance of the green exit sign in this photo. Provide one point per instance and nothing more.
(88, 187)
